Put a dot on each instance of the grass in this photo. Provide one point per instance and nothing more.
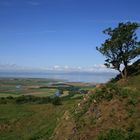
(110, 106)
(113, 134)
(133, 82)
(30, 121)
(35, 92)
(118, 134)
(99, 111)
(8, 86)
(29, 86)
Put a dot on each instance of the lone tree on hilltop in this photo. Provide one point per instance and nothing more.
(121, 47)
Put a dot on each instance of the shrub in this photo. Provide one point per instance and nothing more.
(3, 101)
(113, 134)
(10, 97)
(124, 93)
(132, 101)
(56, 101)
(106, 92)
(133, 136)
(117, 134)
(131, 111)
(26, 99)
(32, 99)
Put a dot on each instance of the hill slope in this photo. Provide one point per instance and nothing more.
(111, 112)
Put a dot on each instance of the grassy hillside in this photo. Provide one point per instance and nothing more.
(31, 112)
(133, 82)
(31, 121)
(110, 112)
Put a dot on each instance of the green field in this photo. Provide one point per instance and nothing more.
(31, 120)
(25, 86)
(32, 112)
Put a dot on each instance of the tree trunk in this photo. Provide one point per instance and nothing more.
(125, 73)
(122, 74)
(125, 70)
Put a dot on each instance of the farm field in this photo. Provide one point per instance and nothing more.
(26, 112)
(24, 86)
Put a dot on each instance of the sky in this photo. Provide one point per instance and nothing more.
(59, 34)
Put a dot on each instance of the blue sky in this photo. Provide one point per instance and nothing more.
(59, 34)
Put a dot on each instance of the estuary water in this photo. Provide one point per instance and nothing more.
(70, 77)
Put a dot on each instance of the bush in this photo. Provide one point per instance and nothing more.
(133, 136)
(3, 101)
(56, 101)
(113, 134)
(106, 92)
(32, 99)
(10, 97)
(117, 134)
(132, 101)
(110, 90)
(124, 93)
(26, 99)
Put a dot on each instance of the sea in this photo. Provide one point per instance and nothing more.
(86, 77)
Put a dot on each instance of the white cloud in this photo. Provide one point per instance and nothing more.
(66, 67)
(8, 66)
(97, 68)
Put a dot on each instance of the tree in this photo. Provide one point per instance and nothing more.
(121, 47)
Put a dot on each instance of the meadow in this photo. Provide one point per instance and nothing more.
(27, 109)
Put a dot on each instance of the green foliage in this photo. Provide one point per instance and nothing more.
(30, 121)
(70, 88)
(131, 127)
(106, 92)
(109, 91)
(133, 136)
(113, 134)
(121, 46)
(117, 134)
(134, 82)
(72, 93)
(130, 110)
(31, 99)
(3, 100)
(132, 101)
(93, 120)
(125, 93)
(80, 110)
(56, 100)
